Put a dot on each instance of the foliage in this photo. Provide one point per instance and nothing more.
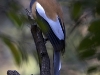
(76, 10)
(13, 14)
(14, 50)
(95, 68)
(89, 46)
(13, 7)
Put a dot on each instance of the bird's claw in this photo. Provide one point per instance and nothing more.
(45, 40)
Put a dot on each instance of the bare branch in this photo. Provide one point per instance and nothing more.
(12, 72)
(44, 60)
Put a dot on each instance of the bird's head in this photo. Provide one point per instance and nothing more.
(31, 3)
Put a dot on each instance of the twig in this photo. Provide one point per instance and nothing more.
(12, 72)
(78, 22)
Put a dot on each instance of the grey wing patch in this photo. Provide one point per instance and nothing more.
(56, 43)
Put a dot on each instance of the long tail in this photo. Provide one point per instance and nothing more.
(57, 63)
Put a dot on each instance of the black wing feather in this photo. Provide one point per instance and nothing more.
(57, 44)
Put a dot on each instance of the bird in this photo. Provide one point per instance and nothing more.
(49, 17)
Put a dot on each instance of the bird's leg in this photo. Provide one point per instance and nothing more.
(45, 40)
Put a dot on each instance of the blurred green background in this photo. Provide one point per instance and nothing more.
(17, 48)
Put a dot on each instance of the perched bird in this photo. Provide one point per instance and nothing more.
(49, 17)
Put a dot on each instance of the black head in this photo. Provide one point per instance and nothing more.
(31, 3)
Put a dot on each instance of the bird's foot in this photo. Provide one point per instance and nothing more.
(45, 40)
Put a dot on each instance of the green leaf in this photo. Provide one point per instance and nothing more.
(76, 10)
(98, 56)
(84, 54)
(85, 43)
(24, 19)
(87, 47)
(93, 69)
(95, 27)
(15, 52)
(15, 18)
(96, 40)
(23, 52)
(98, 7)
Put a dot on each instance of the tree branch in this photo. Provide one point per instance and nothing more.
(44, 60)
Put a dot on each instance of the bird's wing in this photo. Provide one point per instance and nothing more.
(54, 30)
